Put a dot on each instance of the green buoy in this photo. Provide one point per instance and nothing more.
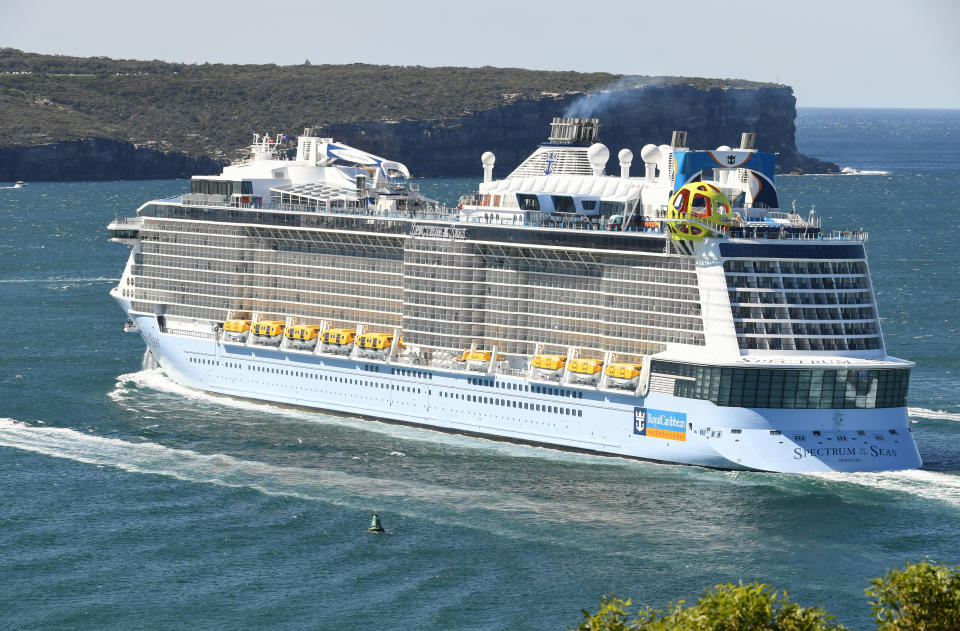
(375, 526)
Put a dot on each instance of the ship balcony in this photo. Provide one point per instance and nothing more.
(124, 229)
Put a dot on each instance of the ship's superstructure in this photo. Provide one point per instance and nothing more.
(676, 315)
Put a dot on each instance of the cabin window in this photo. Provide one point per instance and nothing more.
(611, 208)
(563, 204)
(589, 204)
(528, 202)
(221, 187)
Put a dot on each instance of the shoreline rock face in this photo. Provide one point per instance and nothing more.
(97, 159)
(630, 118)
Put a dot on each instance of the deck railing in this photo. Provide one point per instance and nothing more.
(416, 212)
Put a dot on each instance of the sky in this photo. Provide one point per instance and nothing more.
(838, 53)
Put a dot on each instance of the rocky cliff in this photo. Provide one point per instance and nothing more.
(99, 159)
(629, 118)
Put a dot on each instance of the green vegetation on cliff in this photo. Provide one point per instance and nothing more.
(208, 109)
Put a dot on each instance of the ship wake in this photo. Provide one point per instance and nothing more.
(930, 485)
(55, 279)
(449, 505)
(938, 415)
(220, 469)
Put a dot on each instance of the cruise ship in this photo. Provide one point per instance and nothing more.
(676, 315)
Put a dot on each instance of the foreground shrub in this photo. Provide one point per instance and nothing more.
(920, 597)
(755, 607)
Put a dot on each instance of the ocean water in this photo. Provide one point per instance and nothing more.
(129, 502)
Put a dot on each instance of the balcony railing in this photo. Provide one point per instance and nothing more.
(410, 209)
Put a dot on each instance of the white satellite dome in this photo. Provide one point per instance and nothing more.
(488, 159)
(598, 154)
(650, 154)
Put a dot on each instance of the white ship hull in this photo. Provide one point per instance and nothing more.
(544, 413)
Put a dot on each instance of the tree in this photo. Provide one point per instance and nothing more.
(611, 617)
(754, 607)
(920, 597)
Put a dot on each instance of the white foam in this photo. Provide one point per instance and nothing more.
(940, 415)
(335, 487)
(852, 171)
(184, 464)
(931, 485)
(99, 279)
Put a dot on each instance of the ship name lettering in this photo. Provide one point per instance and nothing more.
(799, 452)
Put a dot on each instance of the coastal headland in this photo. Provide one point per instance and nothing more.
(73, 118)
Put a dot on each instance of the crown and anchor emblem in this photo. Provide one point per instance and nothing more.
(639, 417)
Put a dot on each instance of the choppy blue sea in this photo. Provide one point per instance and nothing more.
(127, 502)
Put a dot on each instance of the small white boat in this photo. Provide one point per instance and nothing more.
(19, 184)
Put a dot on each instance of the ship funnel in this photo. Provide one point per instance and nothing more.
(573, 131)
(626, 159)
(678, 140)
(748, 140)
(488, 159)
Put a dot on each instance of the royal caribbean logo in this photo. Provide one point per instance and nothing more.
(551, 158)
(660, 424)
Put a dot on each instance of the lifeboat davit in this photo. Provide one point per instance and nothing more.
(623, 375)
(376, 344)
(479, 360)
(303, 336)
(585, 370)
(268, 332)
(548, 366)
(339, 341)
(236, 329)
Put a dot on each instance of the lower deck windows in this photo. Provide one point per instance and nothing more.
(796, 388)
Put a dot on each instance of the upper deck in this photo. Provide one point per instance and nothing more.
(408, 217)
(562, 188)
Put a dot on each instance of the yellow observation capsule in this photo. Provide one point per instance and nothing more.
(701, 210)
